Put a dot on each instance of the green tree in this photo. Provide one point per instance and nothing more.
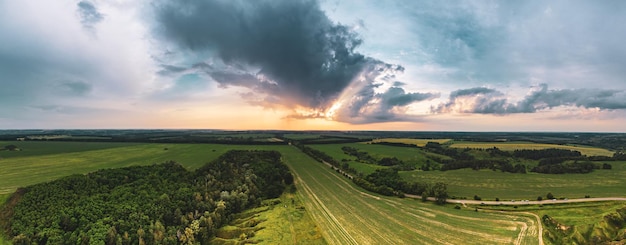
(440, 192)
(549, 195)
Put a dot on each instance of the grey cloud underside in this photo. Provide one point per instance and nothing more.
(89, 14)
(490, 101)
(287, 51)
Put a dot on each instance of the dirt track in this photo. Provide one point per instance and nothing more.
(553, 201)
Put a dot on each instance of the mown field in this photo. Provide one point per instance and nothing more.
(344, 213)
(495, 184)
(350, 216)
(511, 146)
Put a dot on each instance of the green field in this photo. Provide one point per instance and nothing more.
(491, 184)
(45, 161)
(348, 215)
(417, 142)
(511, 146)
(406, 154)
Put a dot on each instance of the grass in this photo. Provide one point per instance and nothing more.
(348, 215)
(511, 146)
(580, 220)
(282, 221)
(417, 142)
(344, 214)
(495, 184)
(490, 184)
(38, 148)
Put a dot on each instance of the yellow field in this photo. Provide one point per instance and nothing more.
(417, 142)
(511, 146)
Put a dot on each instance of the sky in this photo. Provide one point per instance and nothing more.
(411, 65)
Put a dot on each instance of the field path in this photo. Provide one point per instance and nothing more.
(348, 215)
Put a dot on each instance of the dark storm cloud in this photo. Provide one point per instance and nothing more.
(489, 101)
(297, 53)
(292, 42)
(89, 14)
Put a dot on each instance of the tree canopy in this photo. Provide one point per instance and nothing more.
(158, 204)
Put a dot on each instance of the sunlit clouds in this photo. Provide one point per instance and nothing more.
(309, 64)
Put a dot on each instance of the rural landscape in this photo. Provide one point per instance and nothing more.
(104, 187)
(334, 122)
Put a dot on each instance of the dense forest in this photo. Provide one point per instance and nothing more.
(158, 204)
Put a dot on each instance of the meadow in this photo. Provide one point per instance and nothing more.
(343, 212)
(511, 146)
(407, 154)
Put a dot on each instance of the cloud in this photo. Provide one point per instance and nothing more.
(74, 88)
(489, 101)
(89, 15)
(289, 51)
(367, 101)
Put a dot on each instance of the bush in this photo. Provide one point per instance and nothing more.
(539, 198)
(549, 195)
(477, 198)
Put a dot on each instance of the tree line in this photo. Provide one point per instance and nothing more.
(364, 157)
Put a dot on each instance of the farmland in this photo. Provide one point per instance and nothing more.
(511, 146)
(344, 213)
(351, 216)
(494, 184)
(487, 183)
